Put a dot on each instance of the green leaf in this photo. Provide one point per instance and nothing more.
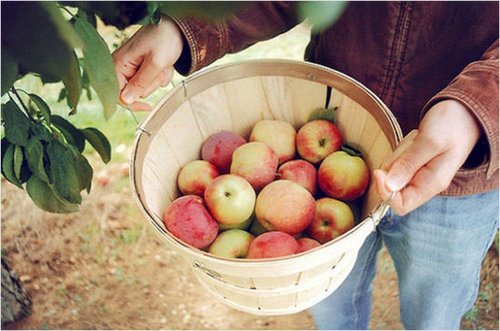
(46, 198)
(34, 154)
(351, 150)
(99, 141)
(323, 114)
(86, 85)
(85, 172)
(321, 14)
(9, 70)
(62, 94)
(18, 161)
(42, 106)
(38, 37)
(70, 132)
(62, 172)
(5, 146)
(16, 123)
(89, 17)
(73, 82)
(99, 66)
(40, 131)
(8, 166)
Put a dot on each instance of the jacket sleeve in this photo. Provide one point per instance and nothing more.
(477, 88)
(206, 42)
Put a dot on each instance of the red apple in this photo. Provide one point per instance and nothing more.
(279, 135)
(332, 218)
(272, 244)
(230, 199)
(232, 244)
(256, 162)
(195, 176)
(285, 206)
(219, 147)
(343, 176)
(317, 139)
(188, 219)
(306, 244)
(300, 172)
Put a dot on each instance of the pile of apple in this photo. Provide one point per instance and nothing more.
(281, 193)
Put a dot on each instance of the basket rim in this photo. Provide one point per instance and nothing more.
(142, 132)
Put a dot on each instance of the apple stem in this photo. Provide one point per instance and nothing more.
(351, 150)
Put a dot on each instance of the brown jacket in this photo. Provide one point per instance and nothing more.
(411, 54)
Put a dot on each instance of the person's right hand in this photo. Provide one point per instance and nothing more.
(145, 62)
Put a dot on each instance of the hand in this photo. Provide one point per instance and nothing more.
(426, 161)
(145, 62)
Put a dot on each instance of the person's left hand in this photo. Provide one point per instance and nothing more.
(426, 161)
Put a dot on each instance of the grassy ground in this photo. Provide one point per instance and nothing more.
(105, 267)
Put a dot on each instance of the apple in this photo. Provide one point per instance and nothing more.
(279, 135)
(317, 139)
(300, 172)
(219, 147)
(256, 162)
(343, 176)
(232, 243)
(272, 244)
(242, 226)
(332, 218)
(195, 176)
(284, 206)
(230, 199)
(306, 244)
(188, 219)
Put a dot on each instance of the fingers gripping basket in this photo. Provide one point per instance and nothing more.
(234, 97)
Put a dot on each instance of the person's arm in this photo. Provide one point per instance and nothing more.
(204, 43)
(146, 61)
(453, 122)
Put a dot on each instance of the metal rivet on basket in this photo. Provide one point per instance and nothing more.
(144, 131)
(184, 88)
(311, 76)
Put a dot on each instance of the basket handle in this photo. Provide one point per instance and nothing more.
(382, 209)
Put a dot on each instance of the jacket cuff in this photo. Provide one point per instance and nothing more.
(203, 44)
(476, 88)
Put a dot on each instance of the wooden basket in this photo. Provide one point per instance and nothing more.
(234, 97)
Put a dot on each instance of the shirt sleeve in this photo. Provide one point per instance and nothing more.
(256, 21)
(477, 88)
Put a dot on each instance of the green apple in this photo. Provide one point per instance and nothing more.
(232, 243)
(230, 199)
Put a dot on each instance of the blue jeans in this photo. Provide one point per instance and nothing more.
(437, 251)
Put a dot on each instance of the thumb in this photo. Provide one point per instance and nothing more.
(142, 80)
(415, 155)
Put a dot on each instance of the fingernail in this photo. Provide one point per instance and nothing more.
(393, 183)
(128, 97)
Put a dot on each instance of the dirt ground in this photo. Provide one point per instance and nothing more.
(106, 268)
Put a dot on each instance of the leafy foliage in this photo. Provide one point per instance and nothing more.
(321, 13)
